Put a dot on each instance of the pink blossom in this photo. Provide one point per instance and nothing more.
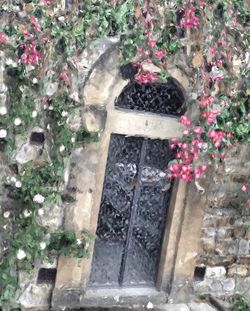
(145, 76)
(206, 100)
(189, 19)
(186, 132)
(33, 20)
(244, 188)
(31, 55)
(185, 120)
(37, 27)
(248, 116)
(159, 54)
(210, 116)
(248, 203)
(3, 38)
(152, 43)
(198, 130)
(63, 75)
(47, 1)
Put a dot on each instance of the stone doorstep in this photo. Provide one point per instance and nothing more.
(128, 298)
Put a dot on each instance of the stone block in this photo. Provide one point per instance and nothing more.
(215, 272)
(209, 232)
(228, 285)
(208, 245)
(36, 297)
(239, 231)
(243, 287)
(195, 306)
(94, 119)
(238, 270)
(244, 247)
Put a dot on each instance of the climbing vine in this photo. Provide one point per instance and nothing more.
(42, 42)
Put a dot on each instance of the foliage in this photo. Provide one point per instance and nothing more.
(241, 304)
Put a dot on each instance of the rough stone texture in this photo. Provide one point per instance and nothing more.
(45, 219)
(225, 244)
(36, 297)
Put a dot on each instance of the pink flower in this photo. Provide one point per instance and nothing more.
(185, 121)
(189, 20)
(198, 130)
(248, 203)
(63, 75)
(37, 27)
(206, 100)
(33, 20)
(248, 116)
(152, 43)
(3, 38)
(145, 76)
(244, 188)
(159, 54)
(31, 55)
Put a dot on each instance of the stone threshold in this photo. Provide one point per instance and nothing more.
(129, 298)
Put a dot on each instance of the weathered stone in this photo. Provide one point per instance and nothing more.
(51, 216)
(30, 152)
(94, 119)
(195, 306)
(91, 55)
(74, 121)
(238, 270)
(228, 285)
(215, 272)
(173, 307)
(36, 297)
(102, 81)
(242, 286)
(208, 245)
(179, 76)
(239, 232)
(215, 286)
(243, 247)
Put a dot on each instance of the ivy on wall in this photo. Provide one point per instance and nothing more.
(41, 44)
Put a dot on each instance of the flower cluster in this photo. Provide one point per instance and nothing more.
(3, 38)
(30, 54)
(189, 20)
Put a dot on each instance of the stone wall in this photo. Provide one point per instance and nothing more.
(223, 264)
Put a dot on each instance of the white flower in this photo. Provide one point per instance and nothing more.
(64, 113)
(3, 133)
(48, 127)
(51, 107)
(35, 81)
(34, 114)
(3, 111)
(78, 242)
(20, 254)
(6, 214)
(27, 213)
(17, 121)
(38, 198)
(40, 212)
(13, 179)
(18, 184)
(42, 245)
(62, 148)
(150, 305)
(73, 139)
(61, 18)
